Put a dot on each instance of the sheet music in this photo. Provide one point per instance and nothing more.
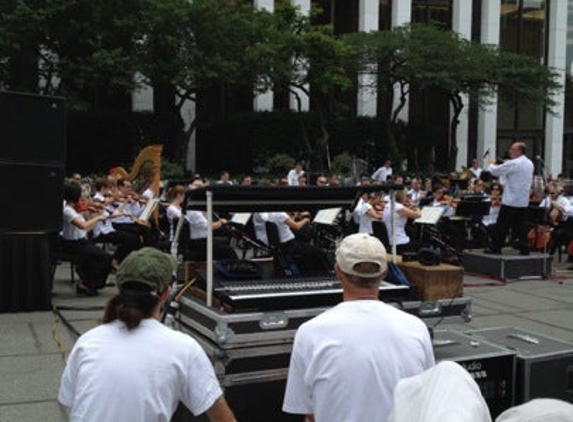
(430, 215)
(149, 208)
(241, 218)
(326, 216)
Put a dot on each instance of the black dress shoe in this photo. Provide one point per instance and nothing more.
(85, 291)
(492, 251)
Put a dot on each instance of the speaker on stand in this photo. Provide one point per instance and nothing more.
(32, 161)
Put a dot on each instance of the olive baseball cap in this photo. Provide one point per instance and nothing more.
(358, 248)
(146, 269)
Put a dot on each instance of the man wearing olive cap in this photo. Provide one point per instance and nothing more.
(346, 361)
(133, 368)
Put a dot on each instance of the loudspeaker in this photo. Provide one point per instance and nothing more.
(33, 128)
(33, 197)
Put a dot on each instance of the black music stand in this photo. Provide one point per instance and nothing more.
(473, 208)
(472, 211)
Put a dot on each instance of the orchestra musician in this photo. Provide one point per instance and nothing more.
(198, 227)
(371, 210)
(404, 210)
(559, 213)
(175, 196)
(131, 204)
(93, 264)
(125, 242)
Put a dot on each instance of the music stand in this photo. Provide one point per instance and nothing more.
(472, 210)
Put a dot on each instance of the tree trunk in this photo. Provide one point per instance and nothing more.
(458, 106)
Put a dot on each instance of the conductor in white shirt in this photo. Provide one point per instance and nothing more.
(518, 174)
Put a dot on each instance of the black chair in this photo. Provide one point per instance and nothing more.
(58, 255)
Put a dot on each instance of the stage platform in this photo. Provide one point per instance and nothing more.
(510, 265)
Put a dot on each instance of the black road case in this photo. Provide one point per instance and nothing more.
(544, 364)
(491, 366)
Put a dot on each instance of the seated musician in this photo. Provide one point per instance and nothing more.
(404, 210)
(415, 193)
(454, 232)
(130, 202)
(175, 196)
(559, 213)
(495, 192)
(308, 257)
(93, 263)
(197, 248)
(371, 210)
(125, 242)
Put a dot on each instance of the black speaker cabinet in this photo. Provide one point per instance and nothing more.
(33, 128)
(544, 364)
(491, 366)
(33, 197)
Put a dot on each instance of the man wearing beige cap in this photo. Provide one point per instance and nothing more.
(133, 368)
(346, 361)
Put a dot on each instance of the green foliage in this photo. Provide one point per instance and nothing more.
(342, 163)
(171, 169)
(280, 163)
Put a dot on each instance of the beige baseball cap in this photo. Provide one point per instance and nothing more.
(358, 248)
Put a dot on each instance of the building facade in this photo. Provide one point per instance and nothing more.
(542, 29)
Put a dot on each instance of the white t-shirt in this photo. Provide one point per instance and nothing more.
(279, 218)
(259, 220)
(293, 176)
(346, 361)
(172, 212)
(140, 375)
(382, 174)
(357, 211)
(399, 223)
(70, 231)
(197, 224)
(365, 224)
(517, 174)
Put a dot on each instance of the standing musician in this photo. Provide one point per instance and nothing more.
(517, 172)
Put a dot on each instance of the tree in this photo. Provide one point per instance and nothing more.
(431, 59)
(77, 48)
(299, 55)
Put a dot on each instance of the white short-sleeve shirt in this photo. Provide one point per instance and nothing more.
(346, 362)
(114, 374)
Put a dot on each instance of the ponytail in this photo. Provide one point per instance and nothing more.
(130, 307)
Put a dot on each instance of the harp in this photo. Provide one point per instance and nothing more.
(145, 172)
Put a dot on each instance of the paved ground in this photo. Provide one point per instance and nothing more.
(33, 345)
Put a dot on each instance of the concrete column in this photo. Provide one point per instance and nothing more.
(367, 21)
(487, 116)
(188, 114)
(462, 24)
(263, 101)
(304, 6)
(401, 14)
(142, 98)
(556, 59)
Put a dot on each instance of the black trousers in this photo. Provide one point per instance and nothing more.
(510, 218)
(124, 241)
(93, 263)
